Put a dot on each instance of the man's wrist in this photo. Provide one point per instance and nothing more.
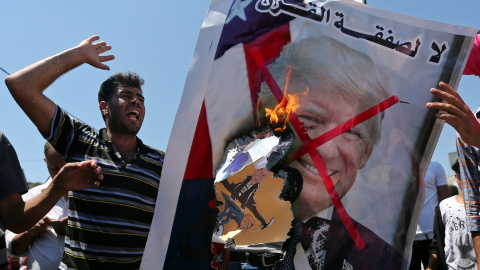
(57, 187)
(31, 233)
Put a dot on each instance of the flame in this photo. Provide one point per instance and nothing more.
(289, 105)
(292, 104)
(278, 116)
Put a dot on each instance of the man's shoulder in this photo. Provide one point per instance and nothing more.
(436, 174)
(153, 150)
(85, 135)
(152, 153)
(341, 248)
(83, 131)
(447, 202)
(435, 166)
(11, 174)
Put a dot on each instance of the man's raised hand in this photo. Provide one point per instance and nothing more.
(92, 52)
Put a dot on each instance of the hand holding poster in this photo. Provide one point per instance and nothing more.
(350, 83)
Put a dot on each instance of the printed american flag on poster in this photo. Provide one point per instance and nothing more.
(236, 50)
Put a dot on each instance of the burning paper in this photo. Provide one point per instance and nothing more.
(250, 182)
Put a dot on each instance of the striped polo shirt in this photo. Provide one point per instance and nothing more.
(107, 225)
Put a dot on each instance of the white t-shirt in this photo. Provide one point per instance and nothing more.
(458, 241)
(434, 177)
(46, 252)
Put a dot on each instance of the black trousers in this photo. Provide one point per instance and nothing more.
(420, 254)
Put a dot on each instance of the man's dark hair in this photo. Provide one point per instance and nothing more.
(131, 79)
(456, 168)
(453, 190)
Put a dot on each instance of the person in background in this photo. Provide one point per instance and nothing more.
(452, 245)
(436, 190)
(45, 241)
(108, 225)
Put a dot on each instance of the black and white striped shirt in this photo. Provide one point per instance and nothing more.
(107, 226)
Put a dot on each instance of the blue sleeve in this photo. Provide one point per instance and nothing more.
(441, 176)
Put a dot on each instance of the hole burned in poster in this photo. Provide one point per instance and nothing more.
(254, 188)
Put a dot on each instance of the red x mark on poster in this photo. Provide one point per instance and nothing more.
(310, 146)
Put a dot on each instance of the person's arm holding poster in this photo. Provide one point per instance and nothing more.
(456, 113)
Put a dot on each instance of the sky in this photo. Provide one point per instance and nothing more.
(156, 39)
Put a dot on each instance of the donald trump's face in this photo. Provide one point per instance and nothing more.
(344, 155)
(332, 84)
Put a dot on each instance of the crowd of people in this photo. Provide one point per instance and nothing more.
(95, 210)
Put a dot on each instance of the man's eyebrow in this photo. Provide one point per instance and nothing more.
(316, 111)
(125, 91)
(362, 128)
(131, 92)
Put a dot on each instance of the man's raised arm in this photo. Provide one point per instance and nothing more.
(27, 85)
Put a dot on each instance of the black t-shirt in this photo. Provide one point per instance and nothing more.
(12, 178)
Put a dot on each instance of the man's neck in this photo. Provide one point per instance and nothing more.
(459, 198)
(125, 144)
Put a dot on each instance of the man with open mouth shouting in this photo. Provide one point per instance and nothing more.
(108, 225)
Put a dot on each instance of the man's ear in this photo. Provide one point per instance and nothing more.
(366, 155)
(103, 108)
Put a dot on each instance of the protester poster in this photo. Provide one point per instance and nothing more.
(320, 102)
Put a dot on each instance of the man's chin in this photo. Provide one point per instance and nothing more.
(132, 130)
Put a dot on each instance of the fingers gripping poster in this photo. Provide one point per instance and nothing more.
(304, 123)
